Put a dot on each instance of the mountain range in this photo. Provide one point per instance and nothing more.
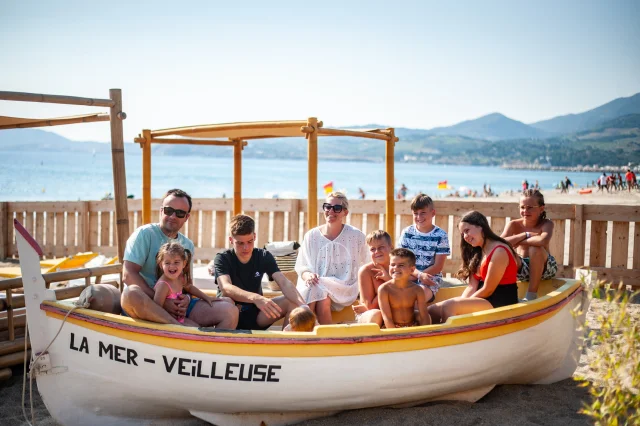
(608, 134)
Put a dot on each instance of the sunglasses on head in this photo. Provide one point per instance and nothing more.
(327, 207)
(180, 214)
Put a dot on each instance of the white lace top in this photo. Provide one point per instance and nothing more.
(336, 263)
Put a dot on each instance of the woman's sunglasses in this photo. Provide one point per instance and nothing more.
(327, 207)
(180, 214)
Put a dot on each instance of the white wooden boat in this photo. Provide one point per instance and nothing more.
(105, 369)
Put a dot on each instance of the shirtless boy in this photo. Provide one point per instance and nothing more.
(399, 296)
(530, 236)
(371, 276)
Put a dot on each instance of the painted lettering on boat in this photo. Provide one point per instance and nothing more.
(231, 371)
(182, 366)
(84, 344)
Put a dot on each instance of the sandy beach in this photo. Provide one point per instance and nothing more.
(556, 404)
(573, 197)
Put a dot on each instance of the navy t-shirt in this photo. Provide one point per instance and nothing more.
(247, 276)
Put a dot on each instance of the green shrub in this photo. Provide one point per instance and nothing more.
(615, 340)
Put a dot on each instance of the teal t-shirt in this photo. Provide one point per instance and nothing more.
(143, 246)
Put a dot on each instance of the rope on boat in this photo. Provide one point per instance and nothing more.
(80, 303)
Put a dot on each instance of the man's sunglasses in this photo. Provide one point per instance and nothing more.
(327, 207)
(180, 214)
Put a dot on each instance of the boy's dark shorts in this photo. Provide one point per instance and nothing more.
(248, 318)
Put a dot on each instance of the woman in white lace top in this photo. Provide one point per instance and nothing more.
(329, 259)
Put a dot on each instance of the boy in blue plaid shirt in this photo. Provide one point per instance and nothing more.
(428, 242)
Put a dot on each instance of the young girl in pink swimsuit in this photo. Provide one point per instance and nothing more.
(174, 276)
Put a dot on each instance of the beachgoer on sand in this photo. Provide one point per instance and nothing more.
(399, 296)
(530, 236)
(371, 276)
(402, 192)
(630, 178)
(238, 272)
(174, 278)
(139, 272)
(329, 259)
(428, 242)
(488, 266)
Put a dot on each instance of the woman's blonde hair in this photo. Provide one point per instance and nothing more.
(343, 198)
(302, 319)
(175, 249)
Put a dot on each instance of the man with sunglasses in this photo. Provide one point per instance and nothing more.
(139, 271)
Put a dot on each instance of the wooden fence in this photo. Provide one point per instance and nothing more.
(605, 238)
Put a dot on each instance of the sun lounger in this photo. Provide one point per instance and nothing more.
(52, 265)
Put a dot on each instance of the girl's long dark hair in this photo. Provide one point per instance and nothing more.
(472, 256)
(539, 198)
(175, 249)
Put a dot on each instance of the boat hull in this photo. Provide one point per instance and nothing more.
(112, 379)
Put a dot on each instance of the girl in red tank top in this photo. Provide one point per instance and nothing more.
(488, 265)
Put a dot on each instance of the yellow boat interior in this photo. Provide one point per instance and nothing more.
(554, 294)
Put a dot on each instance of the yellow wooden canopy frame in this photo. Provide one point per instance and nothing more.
(115, 117)
(237, 135)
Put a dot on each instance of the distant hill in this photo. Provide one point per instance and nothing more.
(41, 140)
(574, 123)
(490, 140)
(492, 127)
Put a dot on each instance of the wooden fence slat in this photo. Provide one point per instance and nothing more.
(105, 219)
(293, 232)
(620, 245)
(455, 239)
(598, 246)
(49, 231)
(207, 230)
(442, 222)
(59, 242)
(263, 228)
(305, 223)
(11, 240)
(93, 230)
(356, 220)
(498, 224)
(577, 243)
(83, 228)
(221, 230)
(556, 246)
(132, 225)
(39, 235)
(278, 226)
(29, 223)
(70, 246)
(405, 220)
(636, 246)
(373, 223)
(193, 226)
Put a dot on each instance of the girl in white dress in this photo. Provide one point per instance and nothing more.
(329, 259)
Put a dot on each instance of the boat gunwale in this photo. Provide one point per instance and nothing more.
(249, 337)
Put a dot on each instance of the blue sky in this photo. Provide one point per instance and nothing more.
(398, 63)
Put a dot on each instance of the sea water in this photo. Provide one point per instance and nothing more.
(51, 176)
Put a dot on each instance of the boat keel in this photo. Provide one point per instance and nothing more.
(258, 419)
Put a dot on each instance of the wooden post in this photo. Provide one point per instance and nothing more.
(390, 216)
(312, 191)
(146, 177)
(579, 229)
(237, 177)
(4, 230)
(119, 176)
